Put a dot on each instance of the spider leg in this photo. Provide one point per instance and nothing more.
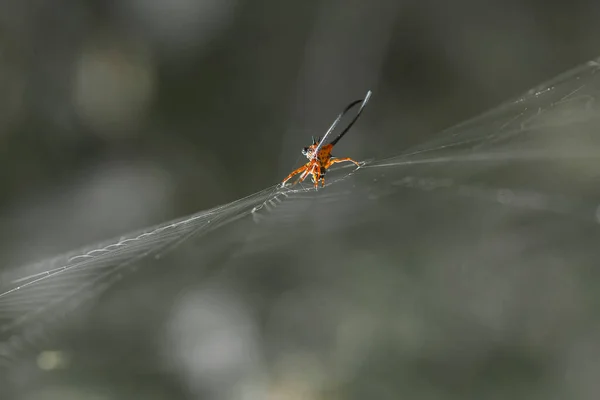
(316, 177)
(322, 176)
(302, 177)
(295, 172)
(315, 171)
(339, 160)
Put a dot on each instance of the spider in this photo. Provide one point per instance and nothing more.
(319, 154)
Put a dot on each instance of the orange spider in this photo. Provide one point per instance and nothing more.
(319, 154)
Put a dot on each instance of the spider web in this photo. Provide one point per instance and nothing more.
(35, 295)
(516, 189)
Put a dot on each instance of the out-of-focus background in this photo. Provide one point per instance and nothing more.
(120, 114)
(117, 115)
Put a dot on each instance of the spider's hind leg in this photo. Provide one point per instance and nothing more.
(315, 178)
(339, 160)
(322, 177)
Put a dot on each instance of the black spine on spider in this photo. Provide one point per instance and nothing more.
(348, 108)
(362, 103)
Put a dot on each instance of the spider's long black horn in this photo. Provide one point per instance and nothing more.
(363, 103)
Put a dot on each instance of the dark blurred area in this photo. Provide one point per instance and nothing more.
(120, 114)
(117, 115)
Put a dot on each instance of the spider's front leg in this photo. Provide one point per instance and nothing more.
(303, 176)
(295, 172)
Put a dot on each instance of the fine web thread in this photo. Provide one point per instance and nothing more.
(36, 297)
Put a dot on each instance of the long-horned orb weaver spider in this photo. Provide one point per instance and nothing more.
(319, 154)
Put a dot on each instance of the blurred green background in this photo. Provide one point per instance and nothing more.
(116, 115)
(166, 108)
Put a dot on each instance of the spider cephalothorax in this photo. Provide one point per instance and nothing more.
(319, 154)
(310, 150)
